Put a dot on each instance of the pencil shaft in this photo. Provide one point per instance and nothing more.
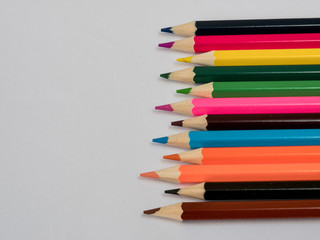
(263, 121)
(243, 138)
(262, 190)
(251, 209)
(249, 173)
(258, 26)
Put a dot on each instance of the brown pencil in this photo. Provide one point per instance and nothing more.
(251, 121)
(239, 210)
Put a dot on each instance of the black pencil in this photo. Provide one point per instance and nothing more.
(252, 121)
(249, 26)
(251, 190)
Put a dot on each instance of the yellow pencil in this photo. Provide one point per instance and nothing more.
(256, 57)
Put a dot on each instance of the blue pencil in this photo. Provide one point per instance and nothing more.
(243, 138)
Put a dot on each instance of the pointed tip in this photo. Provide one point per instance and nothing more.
(167, 30)
(186, 59)
(151, 211)
(166, 107)
(165, 75)
(149, 175)
(177, 123)
(175, 157)
(166, 45)
(184, 90)
(172, 191)
(163, 140)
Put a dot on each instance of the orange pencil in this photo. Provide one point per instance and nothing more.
(238, 173)
(249, 155)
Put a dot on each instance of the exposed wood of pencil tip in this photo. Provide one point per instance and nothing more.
(204, 90)
(179, 140)
(184, 107)
(193, 156)
(200, 123)
(206, 59)
(184, 75)
(168, 174)
(185, 45)
(186, 29)
(195, 191)
(172, 212)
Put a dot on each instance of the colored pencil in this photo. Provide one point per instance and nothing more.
(200, 44)
(256, 57)
(251, 121)
(239, 210)
(255, 89)
(249, 155)
(258, 105)
(247, 26)
(243, 138)
(245, 73)
(237, 173)
(251, 190)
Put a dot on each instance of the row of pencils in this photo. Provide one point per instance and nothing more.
(256, 151)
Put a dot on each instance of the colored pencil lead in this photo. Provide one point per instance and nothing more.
(172, 191)
(186, 59)
(151, 211)
(166, 45)
(167, 30)
(166, 107)
(184, 91)
(165, 75)
(162, 140)
(149, 175)
(175, 157)
(177, 123)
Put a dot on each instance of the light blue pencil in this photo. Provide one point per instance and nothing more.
(243, 138)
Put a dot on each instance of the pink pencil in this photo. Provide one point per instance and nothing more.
(200, 44)
(252, 105)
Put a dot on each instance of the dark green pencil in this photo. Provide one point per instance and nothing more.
(245, 73)
(255, 89)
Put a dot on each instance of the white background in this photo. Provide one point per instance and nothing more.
(78, 84)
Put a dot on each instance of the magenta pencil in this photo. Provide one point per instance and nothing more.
(198, 44)
(253, 105)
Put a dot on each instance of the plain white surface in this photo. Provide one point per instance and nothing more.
(78, 84)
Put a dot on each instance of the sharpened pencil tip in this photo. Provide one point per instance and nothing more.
(186, 59)
(166, 107)
(165, 75)
(151, 211)
(166, 45)
(172, 191)
(177, 123)
(149, 175)
(167, 30)
(163, 140)
(175, 157)
(184, 90)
